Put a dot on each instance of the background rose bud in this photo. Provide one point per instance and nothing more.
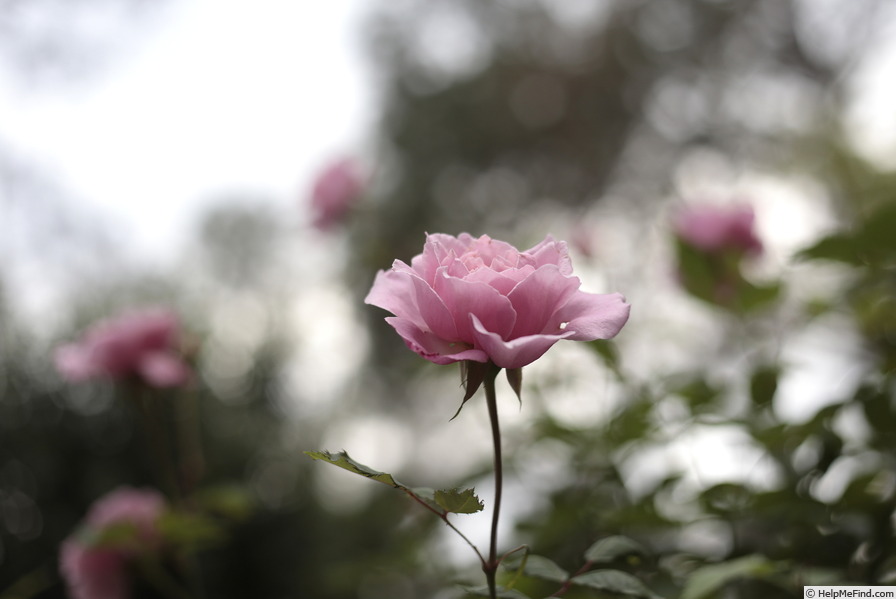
(718, 228)
(335, 191)
(139, 344)
(94, 568)
(711, 244)
(138, 507)
(483, 300)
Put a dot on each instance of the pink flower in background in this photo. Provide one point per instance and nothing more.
(716, 229)
(140, 344)
(138, 507)
(93, 573)
(483, 300)
(335, 191)
(101, 572)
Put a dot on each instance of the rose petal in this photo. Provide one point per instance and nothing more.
(467, 297)
(492, 252)
(515, 353)
(591, 316)
(536, 298)
(550, 251)
(74, 364)
(92, 573)
(432, 347)
(408, 296)
(503, 281)
(162, 369)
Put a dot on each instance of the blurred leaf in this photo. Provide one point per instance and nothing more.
(698, 392)
(876, 405)
(482, 591)
(608, 352)
(230, 501)
(858, 493)
(458, 502)
(751, 297)
(831, 449)
(538, 567)
(698, 273)
(870, 243)
(838, 247)
(614, 581)
(190, 529)
(114, 535)
(818, 576)
(706, 581)
(763, 385)
(726, 498)
(612, 548)
(633, 422)
(31, 584)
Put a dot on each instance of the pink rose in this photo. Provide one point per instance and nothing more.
(92, 573)
(140, 344)
(335, 191)
(716, 229)
(138, 507)
(484, 300)
(101, 572)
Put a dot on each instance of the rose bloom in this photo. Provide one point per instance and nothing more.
(101, 572)
(714, 229)
(483, 300)
(335, 191)
(140, 344)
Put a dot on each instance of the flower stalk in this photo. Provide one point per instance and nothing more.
(491, 566)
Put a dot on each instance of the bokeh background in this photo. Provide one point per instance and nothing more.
(165, 153)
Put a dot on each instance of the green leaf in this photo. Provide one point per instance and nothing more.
(455, 501)
(343, 460)
(763, 385)
(608, 352)
(699, 393)
(726, 499)
(838, 247)
(614, 581)
(482, 591)
(612, 548)
(190, 529)
(230, 501)
(537, 567)
(752, 296)
(870, 243)
(706, 581)
(818, 576)
(458, 502)
(114, 535)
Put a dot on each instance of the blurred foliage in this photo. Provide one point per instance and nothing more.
(498, 117)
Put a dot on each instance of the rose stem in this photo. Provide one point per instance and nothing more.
(491, 567)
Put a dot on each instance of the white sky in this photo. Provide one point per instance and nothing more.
(230, 96)
(219, 96)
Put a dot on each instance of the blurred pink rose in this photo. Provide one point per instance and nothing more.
(140, 344)
(718, 228)
(101, 572)
(335, 191)
(483, 300)
(92, 573)
(138, 507)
